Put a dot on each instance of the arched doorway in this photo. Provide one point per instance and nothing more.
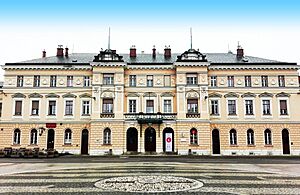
(168, 140)
(216, 141)
(285, 141)
(85, 142)
(132, 140)
(150, 140)
(50, 139)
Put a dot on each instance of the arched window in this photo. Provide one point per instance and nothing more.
(107, 136)
(268, 137)
(68, 137)
(193, 136)
(33, 137)
(17, 136)
(233, 137)
(250, 137)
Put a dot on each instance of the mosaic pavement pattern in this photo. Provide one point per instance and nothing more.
(148, 179)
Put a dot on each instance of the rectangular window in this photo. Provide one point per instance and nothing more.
(192, 105)
(213, 81)
(85, 107)
(281, 81)
(283, 107)
(52, 108)
(0, 109)
(149, 80)
(86, 81)
(167, 106)
(248, 81)
(35, 107)
(18, 108)
(214, 107)
(249, 107)
(264, 81)
(69, 107)
(150, 106)
(108, 105)
(53, 81)
(230, 81)
(167, 80)
(108, 79)
(69, 81)
(20, 81)
(36, 81)
(191, 79)
(132, 80)
(231, 107)
(266, 107)
(132, 106)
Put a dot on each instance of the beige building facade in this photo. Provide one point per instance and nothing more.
(189, 103)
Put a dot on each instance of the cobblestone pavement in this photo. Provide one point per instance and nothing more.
(145, 177)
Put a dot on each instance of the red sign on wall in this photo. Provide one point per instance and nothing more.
(50, 125)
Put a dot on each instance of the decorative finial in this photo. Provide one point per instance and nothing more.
(191, 38)
(109, 38)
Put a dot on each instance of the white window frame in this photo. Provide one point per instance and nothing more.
(56, 108)
(14, 108)
(137, 104)
(37, 137)
(215, 81)
(244, 107)
(287, 106)
(163, 104)
(30, 109)
(245, 80)
(269, 140)
(154, 102)
(73, 107)
(237, 141)
(86, 81)
(81, 108)
(219, 108)
(236, 107)
(254, 140)
(13, 137)
(271, 107)
(230, 83)
(71, 140)
(129, 79)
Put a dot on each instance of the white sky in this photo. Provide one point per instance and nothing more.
(18, 43)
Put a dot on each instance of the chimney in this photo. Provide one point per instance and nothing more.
(153, 52)
(239, 52)
(167, 52)
(44, 54)
(67, 52)
(60, 51)
(132, 53)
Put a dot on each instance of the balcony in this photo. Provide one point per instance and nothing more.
(192, 115)
(154, 118)
(107, 115)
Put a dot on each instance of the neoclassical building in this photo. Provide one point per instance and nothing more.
(188, 103)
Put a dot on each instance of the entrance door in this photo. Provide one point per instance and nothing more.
(50, 139)
(285, 141)
(168, 140)
(132, 140)
(150, 140)
(216, 141)
(85, 141)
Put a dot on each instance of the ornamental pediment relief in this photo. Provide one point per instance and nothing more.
(35, 95)
(231, 94)
(107, 94)
(18, 95)
(167, 94)
(283, 94)
(266, 94)
(69, 95)
(215, 95)
(150, 94)
(192, 94)
(85, 95)
(249, 94)
(132, 95)
(52, 95)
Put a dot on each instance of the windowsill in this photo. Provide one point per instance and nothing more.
(234, 145)
(251, 145)
(69, 116)
(106, 144)
(16, 145)
(68, 145)
(267, 116)
(194, 145)
(34, 115)
(269, 145)
(249, 116)
(52, 116)
(32, 145)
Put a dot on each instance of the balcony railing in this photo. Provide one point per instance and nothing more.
(192, 115)
(154, 118)
(107, 115)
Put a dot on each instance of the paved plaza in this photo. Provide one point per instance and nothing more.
(171, 175)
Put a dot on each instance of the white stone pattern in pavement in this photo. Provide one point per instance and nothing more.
(146, 179)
